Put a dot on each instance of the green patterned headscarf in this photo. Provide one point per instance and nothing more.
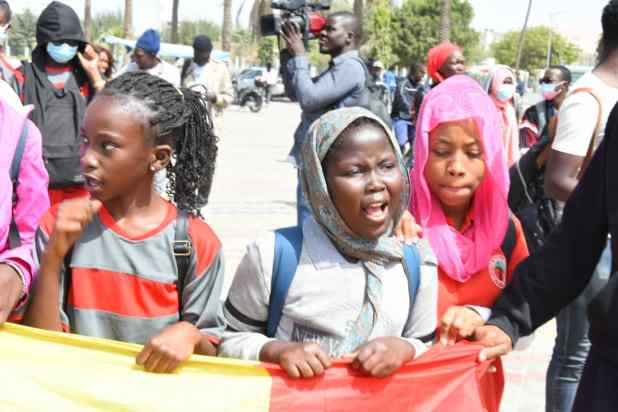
(319, 139)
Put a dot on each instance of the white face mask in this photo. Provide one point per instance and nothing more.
(505, 92)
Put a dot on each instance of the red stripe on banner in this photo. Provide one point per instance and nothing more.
(123, 294)
(443, 379)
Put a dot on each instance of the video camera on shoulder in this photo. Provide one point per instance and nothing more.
(304, 13)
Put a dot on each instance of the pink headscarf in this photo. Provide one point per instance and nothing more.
(461, 255)
(510, 135)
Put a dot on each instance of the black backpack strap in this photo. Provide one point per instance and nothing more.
(183, 249)
(68, 279)
(185, 69)
(14, 238)
(510, 238)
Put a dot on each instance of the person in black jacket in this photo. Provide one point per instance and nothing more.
(404, 108)
(549, 280)
(62, 78)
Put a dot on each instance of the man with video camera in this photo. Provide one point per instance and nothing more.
(341, 84)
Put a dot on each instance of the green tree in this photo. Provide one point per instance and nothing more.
(188, 29)
(266, 50)
(416, 29)
(106, 24)
(244, 44)
(378, 32)
(534, 51)
(22, 37)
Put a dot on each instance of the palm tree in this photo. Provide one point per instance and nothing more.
(226, 34)
(445, 20)
(128, 19)
(175, 21)
(358, 9)
(88, 18)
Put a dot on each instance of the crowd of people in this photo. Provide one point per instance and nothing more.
(106, 173)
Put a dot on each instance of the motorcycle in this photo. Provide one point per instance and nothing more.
(251, 96)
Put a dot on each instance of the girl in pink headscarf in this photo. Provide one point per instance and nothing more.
(501, 88)
(460, 185)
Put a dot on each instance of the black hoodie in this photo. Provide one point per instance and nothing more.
(58, 22)
(57, 113)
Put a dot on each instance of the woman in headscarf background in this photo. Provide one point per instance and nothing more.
(460, 185)
(501, 88)
(350, 263)
(443, 61)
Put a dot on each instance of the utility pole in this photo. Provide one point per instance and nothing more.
(551, 36)
(521, 36)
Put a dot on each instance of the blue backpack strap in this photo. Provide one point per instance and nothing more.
(14, 238)
(288, 245)
(411, 265)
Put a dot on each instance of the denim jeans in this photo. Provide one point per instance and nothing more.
(597, 389)
(302, 206)
(572, 344)
(402, 129)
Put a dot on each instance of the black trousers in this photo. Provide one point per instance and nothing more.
(598, 388)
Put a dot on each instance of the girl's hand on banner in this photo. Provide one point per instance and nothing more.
(166, 351)
(382, 356)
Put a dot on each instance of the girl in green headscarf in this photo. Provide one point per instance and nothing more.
(350, 294)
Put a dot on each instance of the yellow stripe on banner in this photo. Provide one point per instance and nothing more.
(48, 371)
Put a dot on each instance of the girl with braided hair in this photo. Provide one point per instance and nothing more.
(125, 263)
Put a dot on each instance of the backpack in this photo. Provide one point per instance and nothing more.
(372, 96)
(14, 239)
(288, 245)
(538, 213)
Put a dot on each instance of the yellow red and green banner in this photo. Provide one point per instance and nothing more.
(42, 370)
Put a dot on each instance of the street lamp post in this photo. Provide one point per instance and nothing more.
(521, 36)
(551, 35)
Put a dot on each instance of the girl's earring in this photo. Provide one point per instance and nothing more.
(153, 168)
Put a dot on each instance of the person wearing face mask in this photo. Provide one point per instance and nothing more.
(554, 88)
(60, 81)
(501, 88)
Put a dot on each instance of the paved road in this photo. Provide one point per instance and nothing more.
(254, 191)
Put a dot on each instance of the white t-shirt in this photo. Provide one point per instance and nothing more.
(578, 116)
(164, 70)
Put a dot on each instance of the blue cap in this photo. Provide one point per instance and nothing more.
(150, 41)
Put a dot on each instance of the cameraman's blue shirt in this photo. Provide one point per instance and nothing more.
(338, 86)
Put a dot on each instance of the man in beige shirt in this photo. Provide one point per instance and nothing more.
(211, 73)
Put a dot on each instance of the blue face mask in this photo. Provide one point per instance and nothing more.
(61, 53)
(505, 92)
